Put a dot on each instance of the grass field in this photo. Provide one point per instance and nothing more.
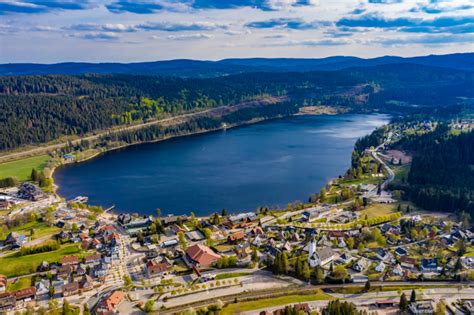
(231, 275)
(19, 284)
(235, 308)
(21, 169)
(40, 228)
(377, 210)
(13, 265)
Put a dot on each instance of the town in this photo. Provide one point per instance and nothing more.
(355, 240)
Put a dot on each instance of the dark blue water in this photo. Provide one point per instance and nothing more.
(266, 164)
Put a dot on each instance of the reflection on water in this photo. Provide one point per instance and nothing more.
(270, 163)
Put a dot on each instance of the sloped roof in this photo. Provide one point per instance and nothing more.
(201, 254)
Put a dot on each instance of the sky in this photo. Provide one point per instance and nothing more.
(50, 31)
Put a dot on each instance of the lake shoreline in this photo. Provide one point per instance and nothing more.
(235, 204)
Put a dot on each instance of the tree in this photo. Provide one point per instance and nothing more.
(182, 240)
(224, 212)
(149, 306)
(413, 296)
(86, 310)
(34, 175)
(306, 271)
(319, 275)
(51, 290)
(207, 234)
(158, 212)
(74, 228)
(440, 308)
(350, 243)
(284, 263)
(322, 195)
(367, 286)
(403, 305)
(254, 255)
(66, 308)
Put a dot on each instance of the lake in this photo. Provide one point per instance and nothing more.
(266, 164)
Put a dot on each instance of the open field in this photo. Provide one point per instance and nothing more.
(235, 308)
(21, 169)
(40, 229)
(379, 209)
(13, 265)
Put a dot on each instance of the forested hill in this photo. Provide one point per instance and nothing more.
(38, 109)
(441, 176)
(198, 68)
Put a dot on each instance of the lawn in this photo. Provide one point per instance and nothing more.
(378, 210)
(19, 284)
(13, 265)
(236, 308)
(231, 275)
(40, 229)
(21, 169)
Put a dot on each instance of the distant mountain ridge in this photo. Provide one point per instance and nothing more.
(202, 68)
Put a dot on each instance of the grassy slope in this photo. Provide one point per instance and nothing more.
(12, 265)
(40, 228)
(21, 169)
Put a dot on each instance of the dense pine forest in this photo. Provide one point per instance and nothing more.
(441, 176)
(42, 108)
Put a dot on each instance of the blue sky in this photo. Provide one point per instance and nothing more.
(50, 31)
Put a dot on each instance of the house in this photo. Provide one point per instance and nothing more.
(235, 237)
(400, 251)
(380, 267)
(70, 288)
(69, 261)
(242, 220)
(408, 262)
(7, 302)
(3, 283)
(110, 304)
(25, 295)
(15, 240)
(93, 259)
(86, 283)
(42, 287)
(345, 258)
(200, 255)
(397, 270)
(30, 192)
(157, 269)
(195, 236)
(361, 265)
(64, 272)
(256, 230)
(424, 308)
(243, 250)
(173, 219)
(429, 265)
(381, 253)
(258, 241)
(341, 243)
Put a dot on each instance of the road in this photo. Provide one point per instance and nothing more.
(391, 173)
(166, 121)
